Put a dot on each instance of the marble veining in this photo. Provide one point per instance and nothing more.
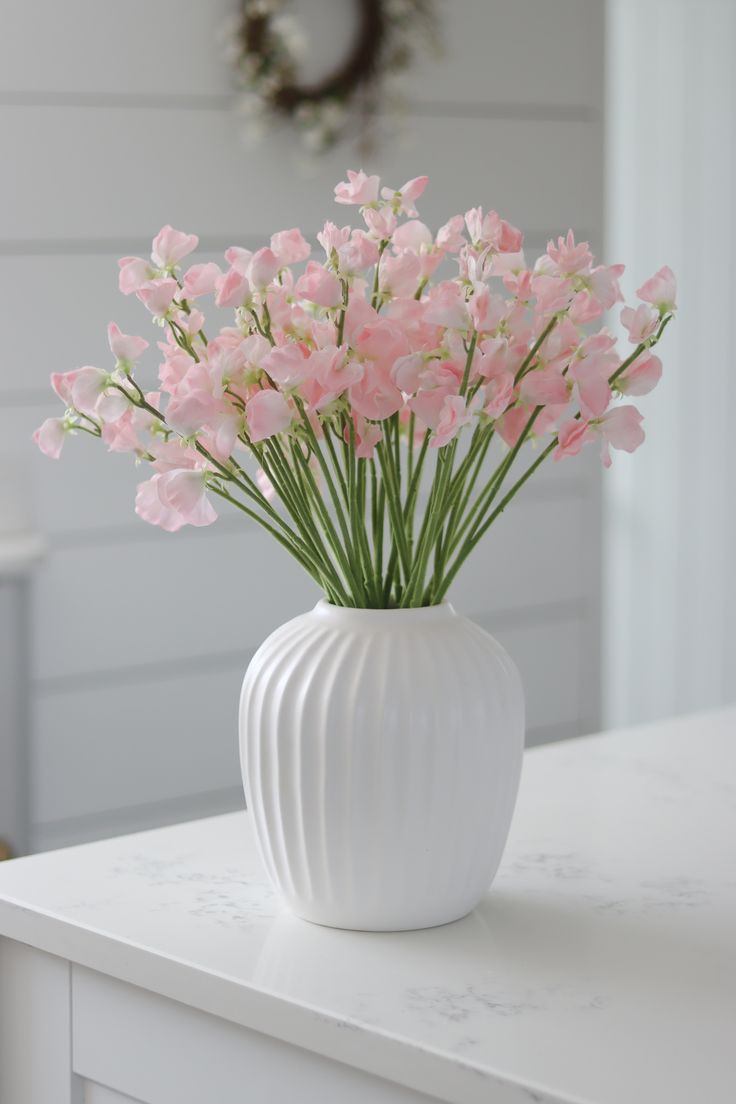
(600, 968)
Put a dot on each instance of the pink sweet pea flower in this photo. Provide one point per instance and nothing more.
(267, 413)
(333, 373)
(603, 284)
(381, 223)
(399, 275)
(407, 372)
(93, 395)
(570, 258)
(319, 286)
(239, 258)
(660, 290)
(134, 273)
(158, 295)
(201, 279)
(359, 253)
(545, 386)
(366, 436)
(499, 393)
(641, 323)
(571, 438)
(358, 188)
(591, 374)
(553, 293)
(124, 347)
(290, 246)
(171, 246)
(642, 377)
(375, 395)
(233, 289)
(175, 498)
(287, 364)
(451, 237)
(50, 436)
(402, 200)
(189, 413)
(445, 306)
(455, 414)
(62, 383)
(332, 237)
(122, 435)
(263, 268)
(487, 310)
(620, 428)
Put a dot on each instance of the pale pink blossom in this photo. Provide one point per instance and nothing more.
(175, 498)
(171, 246)
(487, 310)
(451, 236)
(553, 293)
(267, 413)
(407, 372)
(544, 386)
(233, 289)
(239, 258)
(571, 438)
(402, 200)
(125, 348)
(134, 273)
(358, 188)
(62, 383)
(333, 373)
(332, 237)
(445, 306)
(492, 231)
(620, 428)
(399, 275)
(122, 435)
(641, 322)
(660, 290)
(642, 376)
(201, 279)
(570, 257)
(381, 222)
(319, 286)
(359, 253)
(499, 393)
(366, 435)
(188, 413)
(287, 364)
(603, 284)
(263, 268)
(158, 295)
(50, 436)
(455, 414)
(290, 246)
(93, 394)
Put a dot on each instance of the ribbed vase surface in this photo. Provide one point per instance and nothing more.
(381, 754)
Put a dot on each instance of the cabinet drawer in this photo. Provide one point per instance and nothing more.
(159, 1051)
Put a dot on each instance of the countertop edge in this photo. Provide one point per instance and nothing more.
(359, 1046)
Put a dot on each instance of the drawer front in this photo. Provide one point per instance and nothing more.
(158, 1051)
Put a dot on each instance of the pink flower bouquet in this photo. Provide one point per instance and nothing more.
(317, 410)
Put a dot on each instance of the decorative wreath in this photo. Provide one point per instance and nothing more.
(268, 44)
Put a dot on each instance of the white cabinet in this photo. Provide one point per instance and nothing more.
(160, 968)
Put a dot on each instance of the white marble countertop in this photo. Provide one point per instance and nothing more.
(601, 968)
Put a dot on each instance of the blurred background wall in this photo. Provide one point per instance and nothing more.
(125, 646)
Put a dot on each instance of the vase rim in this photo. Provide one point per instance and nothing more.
(440, 612)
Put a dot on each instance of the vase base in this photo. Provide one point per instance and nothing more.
(413, 924)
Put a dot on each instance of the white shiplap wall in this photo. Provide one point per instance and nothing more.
(116, 118)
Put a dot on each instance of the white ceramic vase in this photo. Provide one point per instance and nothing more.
(381, 754)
